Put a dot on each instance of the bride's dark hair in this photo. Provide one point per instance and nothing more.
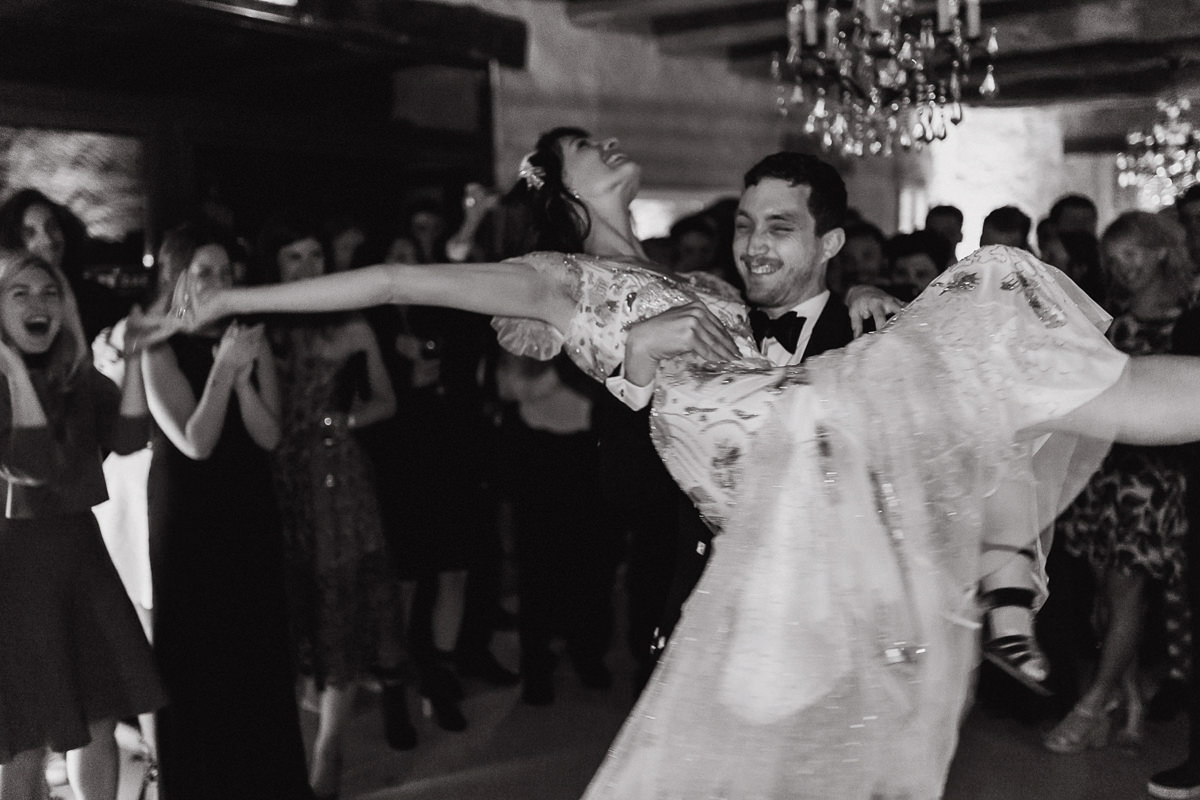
(541, 212)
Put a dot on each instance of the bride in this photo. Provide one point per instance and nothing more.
(828, 649)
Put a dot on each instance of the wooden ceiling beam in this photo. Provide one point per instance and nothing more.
(719, 39)
(627, 13)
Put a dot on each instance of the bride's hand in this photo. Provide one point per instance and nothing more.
(200, 308)
(690, 328)
(146, 329)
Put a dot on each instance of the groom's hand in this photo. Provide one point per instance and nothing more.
(870, 302)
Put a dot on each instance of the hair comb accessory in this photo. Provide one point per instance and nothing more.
(534, 176)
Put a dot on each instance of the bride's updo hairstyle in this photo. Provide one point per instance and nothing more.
(542, 213)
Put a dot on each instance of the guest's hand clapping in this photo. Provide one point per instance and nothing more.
(239, 347)
(690, 328)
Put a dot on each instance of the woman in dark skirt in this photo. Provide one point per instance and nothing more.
(73, 658)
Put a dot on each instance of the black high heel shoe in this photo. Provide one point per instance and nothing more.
(441, 692)
(398, 729)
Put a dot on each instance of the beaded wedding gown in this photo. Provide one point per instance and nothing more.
(828, 648)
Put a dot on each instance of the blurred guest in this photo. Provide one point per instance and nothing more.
(694, 242)
(1074, 213)
(1130, 521)
(347, 240)
(1077, 254)
(1187, 206)
(342, 592)
(232, 728)
(566, 560)
(862, 259)
(1050, 248)
(915, 260)
(1006, 225)
(422, 235)
(1183, 779)
(441, 519)
(32, 221)
(723, 212)
(947, 222)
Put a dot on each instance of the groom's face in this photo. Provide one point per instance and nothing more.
(778, 253)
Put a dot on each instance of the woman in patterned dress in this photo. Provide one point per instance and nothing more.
(1129, 523)
(342, 593)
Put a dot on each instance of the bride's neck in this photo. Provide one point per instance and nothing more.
(612, 233)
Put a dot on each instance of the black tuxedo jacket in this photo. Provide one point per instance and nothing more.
(832, 328)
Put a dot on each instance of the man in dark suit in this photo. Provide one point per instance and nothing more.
(788, 226)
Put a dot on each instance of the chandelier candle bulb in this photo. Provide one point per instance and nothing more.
(873, 9)
(832, 18)
(795, 25)
(943, 15)
(810, 22)
(974, 24)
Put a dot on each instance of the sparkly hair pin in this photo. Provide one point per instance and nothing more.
(534, 176)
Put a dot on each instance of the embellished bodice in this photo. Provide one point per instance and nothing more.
(703, 414)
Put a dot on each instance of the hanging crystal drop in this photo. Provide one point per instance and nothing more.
(988, 87)
(819, 111)
(938, 123)
(955, 83)
(956, 112)
(795, 20)
(993, 44)
(797, 98)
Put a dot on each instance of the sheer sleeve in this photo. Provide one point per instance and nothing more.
(609, 296)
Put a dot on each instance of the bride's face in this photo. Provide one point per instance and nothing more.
(594, 168)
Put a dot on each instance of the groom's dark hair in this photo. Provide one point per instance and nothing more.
(827, 196)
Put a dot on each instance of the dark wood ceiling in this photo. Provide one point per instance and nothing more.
(243, 49)
(1089, 56)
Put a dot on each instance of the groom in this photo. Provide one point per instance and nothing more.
(788, 226)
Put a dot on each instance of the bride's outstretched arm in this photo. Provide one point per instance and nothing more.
(510, 289)
(1156, 402)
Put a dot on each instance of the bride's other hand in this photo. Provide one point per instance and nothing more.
(870, 302)
(691, 328)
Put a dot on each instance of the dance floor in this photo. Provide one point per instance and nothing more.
(512, 751)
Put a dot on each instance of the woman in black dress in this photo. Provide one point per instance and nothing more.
(231, 729)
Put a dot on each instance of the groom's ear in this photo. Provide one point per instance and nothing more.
(831, 243)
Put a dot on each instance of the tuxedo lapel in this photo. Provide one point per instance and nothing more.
(832, 328)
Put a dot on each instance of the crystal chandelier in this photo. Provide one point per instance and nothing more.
(870, 76)
(1162, 162)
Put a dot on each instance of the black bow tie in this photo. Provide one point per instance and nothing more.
(785, 330)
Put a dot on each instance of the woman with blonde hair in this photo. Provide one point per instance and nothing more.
(73, 658)
(1129, 523)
